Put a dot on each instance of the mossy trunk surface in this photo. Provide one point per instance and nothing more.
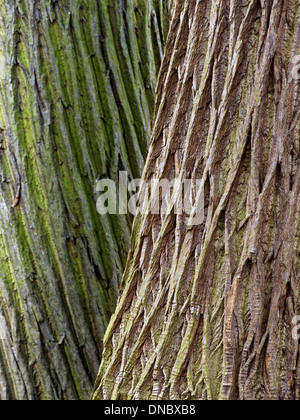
(77, 81)
(206, 312)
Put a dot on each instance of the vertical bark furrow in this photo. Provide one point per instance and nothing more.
(206, 312)
(77, 81)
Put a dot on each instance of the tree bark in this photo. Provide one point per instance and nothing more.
(206, 312)
(77, 82)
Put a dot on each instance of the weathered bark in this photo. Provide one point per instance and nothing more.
(206, 311)
(77, 82)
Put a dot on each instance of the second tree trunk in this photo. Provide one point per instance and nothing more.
(207, 312)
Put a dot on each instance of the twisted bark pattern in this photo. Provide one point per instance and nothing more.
(77, 81)
(206, 311)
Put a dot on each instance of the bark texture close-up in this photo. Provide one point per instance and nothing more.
(77, 82)
(206, 311)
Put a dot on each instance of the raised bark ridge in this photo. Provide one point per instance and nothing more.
(206, 312)
(77, 82)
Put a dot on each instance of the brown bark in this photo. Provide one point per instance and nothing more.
(206, 312)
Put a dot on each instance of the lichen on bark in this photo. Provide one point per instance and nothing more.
(77, 88)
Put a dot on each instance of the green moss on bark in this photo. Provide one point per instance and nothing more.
(76, 91)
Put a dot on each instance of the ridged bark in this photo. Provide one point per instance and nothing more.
(206, 311)
(77, 80)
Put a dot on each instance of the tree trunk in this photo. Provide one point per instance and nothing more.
(206, 312)
(77, 83)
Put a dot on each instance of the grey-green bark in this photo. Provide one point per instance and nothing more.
(207, 311)
(77, 82)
